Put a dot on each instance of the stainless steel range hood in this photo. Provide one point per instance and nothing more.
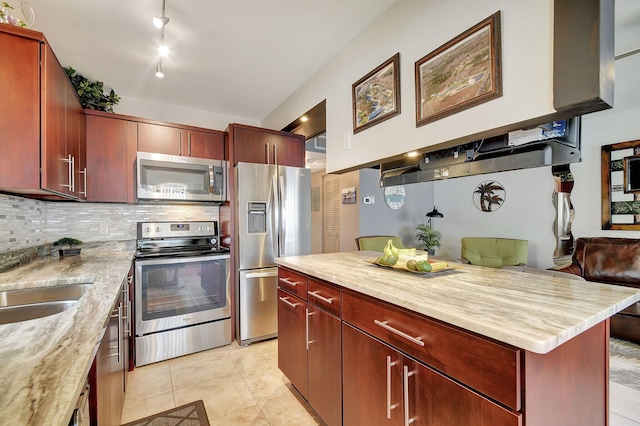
(486, 156)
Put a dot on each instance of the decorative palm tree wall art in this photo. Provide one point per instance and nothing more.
(489, 196)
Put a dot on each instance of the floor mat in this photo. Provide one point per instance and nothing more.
(624, 363)
(192, 414)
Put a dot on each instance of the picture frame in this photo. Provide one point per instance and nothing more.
(460, 74)
(349, 195)
(376, 96)
(620, 206)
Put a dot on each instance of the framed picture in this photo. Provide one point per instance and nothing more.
(376, 96)
(620, 165)
(460, 74)
(349, 195)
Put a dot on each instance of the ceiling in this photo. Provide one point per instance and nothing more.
(240, 58)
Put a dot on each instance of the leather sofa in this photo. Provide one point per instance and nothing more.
(611, 261)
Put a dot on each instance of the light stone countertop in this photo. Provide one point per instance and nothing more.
(44, 362)
(533, 312)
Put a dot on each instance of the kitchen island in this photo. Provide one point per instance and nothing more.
(478, 345)
(45, 361)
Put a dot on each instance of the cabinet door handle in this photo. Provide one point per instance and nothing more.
(417, 340)
(285, 300)
(389, 405)
(73, 174)
(68, 160)
(180, 143)
(306, 327)
(317, 296)
(119, 329)
(189, 143)
(266, 148)
(275, 154)
(287, 281)
(84, 174)
(406, 375)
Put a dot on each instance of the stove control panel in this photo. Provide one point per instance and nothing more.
(177, 229)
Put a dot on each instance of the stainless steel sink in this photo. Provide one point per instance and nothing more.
(33, 295)
(9, 314)
(38, 302)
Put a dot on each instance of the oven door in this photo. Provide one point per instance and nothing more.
(176, 292)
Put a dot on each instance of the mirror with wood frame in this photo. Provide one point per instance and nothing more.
(620, 164)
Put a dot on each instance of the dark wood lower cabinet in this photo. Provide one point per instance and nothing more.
(292, 337)
(368, 369)
(311, 348)
(324, 365)
(384, 387)
(106, 376)
(400, 367)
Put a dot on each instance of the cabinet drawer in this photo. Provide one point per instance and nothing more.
(293, 282)
(325, 296)
(489, 367)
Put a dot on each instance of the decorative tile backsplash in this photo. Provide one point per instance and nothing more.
(26, 223)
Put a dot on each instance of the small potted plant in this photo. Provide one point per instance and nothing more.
(70, 242)
(429, 237)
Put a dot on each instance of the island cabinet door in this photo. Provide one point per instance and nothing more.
(292, 340)
(434, 399)
(324, 366)
(384, 387)
(372, 390)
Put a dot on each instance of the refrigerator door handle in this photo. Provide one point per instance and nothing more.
(262, 274)
(275, 214)
(282, 225)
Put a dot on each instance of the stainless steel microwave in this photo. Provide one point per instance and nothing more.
(162, 177)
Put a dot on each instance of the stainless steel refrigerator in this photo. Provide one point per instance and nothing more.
(273, 219)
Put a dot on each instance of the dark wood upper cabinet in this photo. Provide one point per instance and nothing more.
(159, 139)
(205, 144)
(184, 141)
(42, 121)
(111, 158)
(256, 145)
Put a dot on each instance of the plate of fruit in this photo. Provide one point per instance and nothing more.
(410, 260)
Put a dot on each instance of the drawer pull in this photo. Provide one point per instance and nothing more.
(285, 300)
(417, 340)
(406, 375)
(389, 406)
(291, 283)
(317, 296)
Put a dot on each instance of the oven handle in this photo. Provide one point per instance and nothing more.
(169, 260)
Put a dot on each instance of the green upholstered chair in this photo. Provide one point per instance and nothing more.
(494, 252)
(377, 242)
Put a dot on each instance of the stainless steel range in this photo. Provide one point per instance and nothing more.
(182, 300)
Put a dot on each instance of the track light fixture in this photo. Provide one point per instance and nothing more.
(163, 49)
(162, 20)
(159, 72)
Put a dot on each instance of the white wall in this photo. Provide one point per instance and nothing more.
(177, 114)
(527, 212)
(415, 28)
(379, 219)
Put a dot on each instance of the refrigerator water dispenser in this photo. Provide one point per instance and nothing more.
(256, 217)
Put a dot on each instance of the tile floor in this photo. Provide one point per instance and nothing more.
(239, 386)
(243, 386)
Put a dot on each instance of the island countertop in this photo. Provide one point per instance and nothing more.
(45, 361)
(534, 312)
